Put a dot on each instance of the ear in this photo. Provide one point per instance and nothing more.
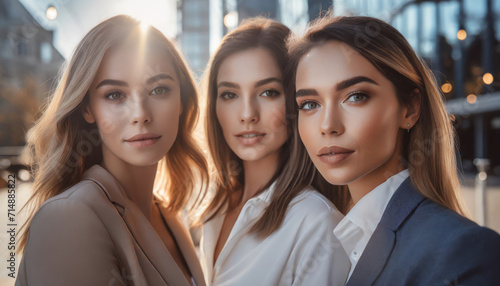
(411, 110)
(87, 114)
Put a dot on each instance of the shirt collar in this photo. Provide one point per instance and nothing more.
(367, 213)
(266, 195)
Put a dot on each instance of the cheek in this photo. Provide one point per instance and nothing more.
(375, 132)
(224, 116)
(110, 119)
(306, 126)
(276, 117)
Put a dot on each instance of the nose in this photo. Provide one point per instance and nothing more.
(331, 121)
(140, 112)
(249, 111)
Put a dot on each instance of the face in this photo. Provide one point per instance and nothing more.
(250, 104)
(135, 102)
(350, 119)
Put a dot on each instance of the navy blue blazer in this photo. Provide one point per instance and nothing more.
(419, 242)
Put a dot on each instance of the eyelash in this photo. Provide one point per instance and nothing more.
(225, 95)
(303, 104)
(122, 95)
(359, 92)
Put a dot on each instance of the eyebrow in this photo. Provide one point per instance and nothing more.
(159, 77)
(257, 84)
(340, 86)
(352, 81)
(151, 80)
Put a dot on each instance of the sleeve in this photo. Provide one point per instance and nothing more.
(471, 257)
(69, 245)
(320, 258)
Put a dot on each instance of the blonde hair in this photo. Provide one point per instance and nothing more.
(62, 145)
(429, 148)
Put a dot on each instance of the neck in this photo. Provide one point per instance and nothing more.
(258, 173)
(137, 182)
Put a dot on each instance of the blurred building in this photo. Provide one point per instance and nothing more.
(194, 32)
(28, 65)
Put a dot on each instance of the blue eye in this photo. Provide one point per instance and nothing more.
(356, 97)
(114, 95)
(270, 93)
(159, 90)
(308, 105)
(228, 95)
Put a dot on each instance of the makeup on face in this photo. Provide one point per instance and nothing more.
(349, 115)
(250, 104)
(135, 103)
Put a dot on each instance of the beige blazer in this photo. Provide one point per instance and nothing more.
(91, 234)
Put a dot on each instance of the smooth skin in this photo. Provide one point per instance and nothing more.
(133, 95)
(345, 101)
(250, 100)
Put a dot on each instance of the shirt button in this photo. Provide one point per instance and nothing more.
(355, 254)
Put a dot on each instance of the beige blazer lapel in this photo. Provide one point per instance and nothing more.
(140, 228)
(186, 245)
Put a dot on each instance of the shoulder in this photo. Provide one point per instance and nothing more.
(75, 205)
(450, 234)
(310, 205)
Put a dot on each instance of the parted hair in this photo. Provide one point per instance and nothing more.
(62, 145)
(429, 148)
(295, 171)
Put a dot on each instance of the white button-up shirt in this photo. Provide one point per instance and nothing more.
(356, 228)
(303, 251)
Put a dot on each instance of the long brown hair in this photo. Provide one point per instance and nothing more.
(429, 148)
(62, 145)
(295, 170)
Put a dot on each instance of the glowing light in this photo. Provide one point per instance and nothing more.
(231, 20)
(471, 98)
(51, 13)
(446, 87)
(482, 176)
(144, 26)
(487, 78)
(461, 34)
(24, 175)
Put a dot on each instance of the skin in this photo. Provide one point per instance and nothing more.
(250, 98)
(364, 117)
(133, 95)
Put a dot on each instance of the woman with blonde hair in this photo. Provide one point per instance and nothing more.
(372, 119)
(118, 127)
(267, 223)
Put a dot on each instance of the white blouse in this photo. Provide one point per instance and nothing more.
(303, 251)
(356, 228)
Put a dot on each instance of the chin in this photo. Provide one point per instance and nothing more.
(336, 177)
(144, 162)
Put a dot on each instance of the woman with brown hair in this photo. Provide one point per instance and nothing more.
(115, 164)
(373, 120)
(267, 224)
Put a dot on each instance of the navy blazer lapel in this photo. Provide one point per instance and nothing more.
(404, 201)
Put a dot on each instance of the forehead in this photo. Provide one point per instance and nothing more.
(335, 60)
(133, 62)
(249, 65)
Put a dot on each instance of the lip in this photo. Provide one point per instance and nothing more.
(249, 138)
(333, 154)
(143, 140)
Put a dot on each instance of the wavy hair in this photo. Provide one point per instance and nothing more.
(429, 148)
(62, 145)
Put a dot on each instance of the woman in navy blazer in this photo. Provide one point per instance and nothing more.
(372, 119)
